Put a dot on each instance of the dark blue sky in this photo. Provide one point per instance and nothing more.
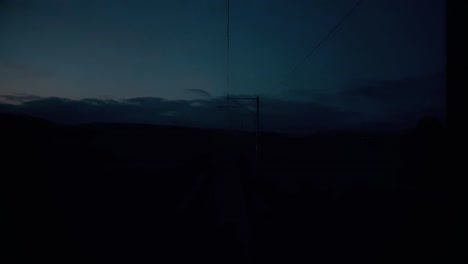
(176, 50)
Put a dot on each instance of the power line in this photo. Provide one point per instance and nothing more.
(228, 73)
(228, 57)
(318, 44)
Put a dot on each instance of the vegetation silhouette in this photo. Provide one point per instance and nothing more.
(110, 192)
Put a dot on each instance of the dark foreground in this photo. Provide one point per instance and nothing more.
(148, 194)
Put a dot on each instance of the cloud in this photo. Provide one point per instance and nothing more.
(427, 86)
(10, 69)
(144, 101)
(100, 102)
(382, 103)
(135, 110)
(363, 107)
(17, 99)
(277, 115)
(200, 92)
(406, 100)
(196, 104)
(168, 113)
(16, 76)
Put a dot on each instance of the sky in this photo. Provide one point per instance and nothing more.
(378, 65)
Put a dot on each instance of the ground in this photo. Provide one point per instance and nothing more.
(138, 194)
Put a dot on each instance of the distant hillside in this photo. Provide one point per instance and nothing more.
(97, 190)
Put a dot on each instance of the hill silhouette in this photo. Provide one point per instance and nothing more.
(126, 193)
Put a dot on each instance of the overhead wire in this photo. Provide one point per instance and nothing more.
(316, 47)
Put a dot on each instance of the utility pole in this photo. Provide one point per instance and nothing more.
(239, 102)
(257, 124)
